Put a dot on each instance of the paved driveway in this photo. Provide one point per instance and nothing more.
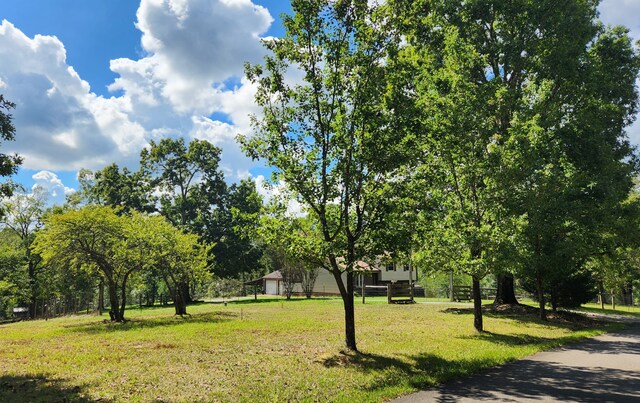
(602, 369)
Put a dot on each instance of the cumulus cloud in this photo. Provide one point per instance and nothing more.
(60, 123)
(194, 47)
(192, 68)
(52, 185)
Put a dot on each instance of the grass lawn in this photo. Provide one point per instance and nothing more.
(264, 351)
(620, 309)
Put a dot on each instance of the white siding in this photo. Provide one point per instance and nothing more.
(271, 287)
(398, 275)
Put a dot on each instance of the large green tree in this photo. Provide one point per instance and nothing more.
(502, 86)
(115, 187)
(235, 248)
(330, 135)
(175, 255)
(190, 183)
(95, 238)
(23, 215)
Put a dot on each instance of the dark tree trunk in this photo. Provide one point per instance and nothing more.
(183, 286)
(114, 311)
(505, 292)
(123, 301)
(101, 297)
(541, 299)
(349, 315)
(477, 304)
(32, 290)
(346, 292)
(179, 303)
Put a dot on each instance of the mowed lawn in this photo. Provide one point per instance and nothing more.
(264, 351)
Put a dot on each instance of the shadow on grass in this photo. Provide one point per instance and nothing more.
(511, 339)
(489, 379)
(19, 388)
(419, 371)
(526, 315)
(148, 323)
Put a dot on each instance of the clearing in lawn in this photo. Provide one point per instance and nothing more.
(264, 351)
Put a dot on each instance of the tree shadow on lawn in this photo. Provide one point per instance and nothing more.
(38, 388)
(490, 380)
(106, 326)
(418, 371)
(526, 315)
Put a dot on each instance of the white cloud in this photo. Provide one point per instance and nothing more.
(194, 46)
(272, 192)
(193, 66)
(60, 123)
(54, 187)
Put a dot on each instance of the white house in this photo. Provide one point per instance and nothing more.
(364, 274)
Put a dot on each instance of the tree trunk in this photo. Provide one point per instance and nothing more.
(541, 301)
(505, 292)
(477, 304)
(114, 311)
(123, 302)
(101, 297)
(183, 286)
(349, 315)
(179, 302)
(613, 299)
(601, 289)
(32, 290)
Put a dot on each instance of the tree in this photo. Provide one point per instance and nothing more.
(188, 178)
(94, 238)
(176, 255)
(331, 137)
(236, 250)
(308, 276)
(22, 215)
(578, 164)
(14, 279)
(115, 187)
(503, 86)
(8, 163)
(190, 183)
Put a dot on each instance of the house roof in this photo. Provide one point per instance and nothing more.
(274, 275)
(360, 266)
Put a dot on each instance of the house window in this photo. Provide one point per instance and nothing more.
(405, 267)
(390, 267)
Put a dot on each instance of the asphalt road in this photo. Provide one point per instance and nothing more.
(602, 369)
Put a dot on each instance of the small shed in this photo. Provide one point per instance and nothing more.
(21, 312)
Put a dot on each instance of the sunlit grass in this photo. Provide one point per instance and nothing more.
(268, 351)
(620, 309)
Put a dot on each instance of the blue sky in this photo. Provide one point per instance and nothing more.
(95, 80)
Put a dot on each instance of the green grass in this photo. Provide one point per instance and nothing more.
(620, 309)
(269, 351)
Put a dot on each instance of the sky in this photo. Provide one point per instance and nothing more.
(95, 80)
